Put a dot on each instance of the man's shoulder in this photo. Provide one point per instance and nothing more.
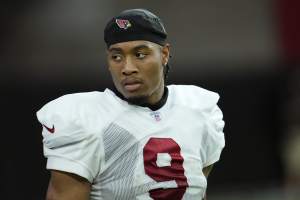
(72, 106)
(193, 96)
(191, 89)
(74, 100)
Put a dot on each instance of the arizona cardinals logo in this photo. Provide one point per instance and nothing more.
(123, 23)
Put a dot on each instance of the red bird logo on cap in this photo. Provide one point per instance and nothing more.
(123, 23)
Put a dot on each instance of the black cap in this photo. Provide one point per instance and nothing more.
(135, 24)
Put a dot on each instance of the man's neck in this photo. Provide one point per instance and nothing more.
(154, 106)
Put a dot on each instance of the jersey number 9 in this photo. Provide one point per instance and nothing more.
(168, 173)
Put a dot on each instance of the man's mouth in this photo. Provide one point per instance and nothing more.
(131, 85)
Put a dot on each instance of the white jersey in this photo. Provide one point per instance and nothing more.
(131, 152)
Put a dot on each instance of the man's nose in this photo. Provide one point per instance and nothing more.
(129, 67)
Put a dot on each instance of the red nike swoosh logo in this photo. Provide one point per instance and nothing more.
(51, 130)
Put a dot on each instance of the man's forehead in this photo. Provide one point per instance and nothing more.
(137, 44)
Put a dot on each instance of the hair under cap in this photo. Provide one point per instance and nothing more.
(135, 24)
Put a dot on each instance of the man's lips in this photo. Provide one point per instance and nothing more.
(131, 84)
(132, 87)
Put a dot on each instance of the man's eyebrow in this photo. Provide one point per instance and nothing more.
(136, 48)
(142, 46)
(115, 49)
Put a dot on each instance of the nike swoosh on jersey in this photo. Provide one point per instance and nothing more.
(51, 130)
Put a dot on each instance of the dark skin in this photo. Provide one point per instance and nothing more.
(137, 70)
(67, 186)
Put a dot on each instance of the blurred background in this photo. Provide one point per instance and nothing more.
(247, 51)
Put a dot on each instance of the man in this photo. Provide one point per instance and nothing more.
(140, 140)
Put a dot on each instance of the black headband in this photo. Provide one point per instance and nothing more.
(135, 24)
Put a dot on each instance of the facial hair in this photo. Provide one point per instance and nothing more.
(138, 100)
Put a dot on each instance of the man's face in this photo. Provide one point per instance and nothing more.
(137, 69)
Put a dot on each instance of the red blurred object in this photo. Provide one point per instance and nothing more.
(289, 23)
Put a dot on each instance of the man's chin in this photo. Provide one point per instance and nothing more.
(137, 100)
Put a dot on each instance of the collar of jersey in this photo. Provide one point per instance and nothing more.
(152, 107)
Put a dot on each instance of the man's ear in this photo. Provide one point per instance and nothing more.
(165, 54)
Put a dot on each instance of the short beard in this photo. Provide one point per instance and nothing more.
(139, 100)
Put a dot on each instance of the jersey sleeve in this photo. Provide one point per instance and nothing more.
(67, 145)
(215, 140)
(205, 103)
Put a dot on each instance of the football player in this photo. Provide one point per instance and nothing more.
(139, 140)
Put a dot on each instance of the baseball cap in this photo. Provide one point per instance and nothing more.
(135, 24)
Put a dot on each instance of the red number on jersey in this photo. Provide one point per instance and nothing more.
(168, 173)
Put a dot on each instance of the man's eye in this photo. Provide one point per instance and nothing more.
(116, 57)
(140, 55)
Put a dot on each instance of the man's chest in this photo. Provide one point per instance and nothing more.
(153, 155)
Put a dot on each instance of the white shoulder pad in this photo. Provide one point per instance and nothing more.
(58, 115)
(68, 142)
(205, 102)
(63, 116)
(193, 96)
